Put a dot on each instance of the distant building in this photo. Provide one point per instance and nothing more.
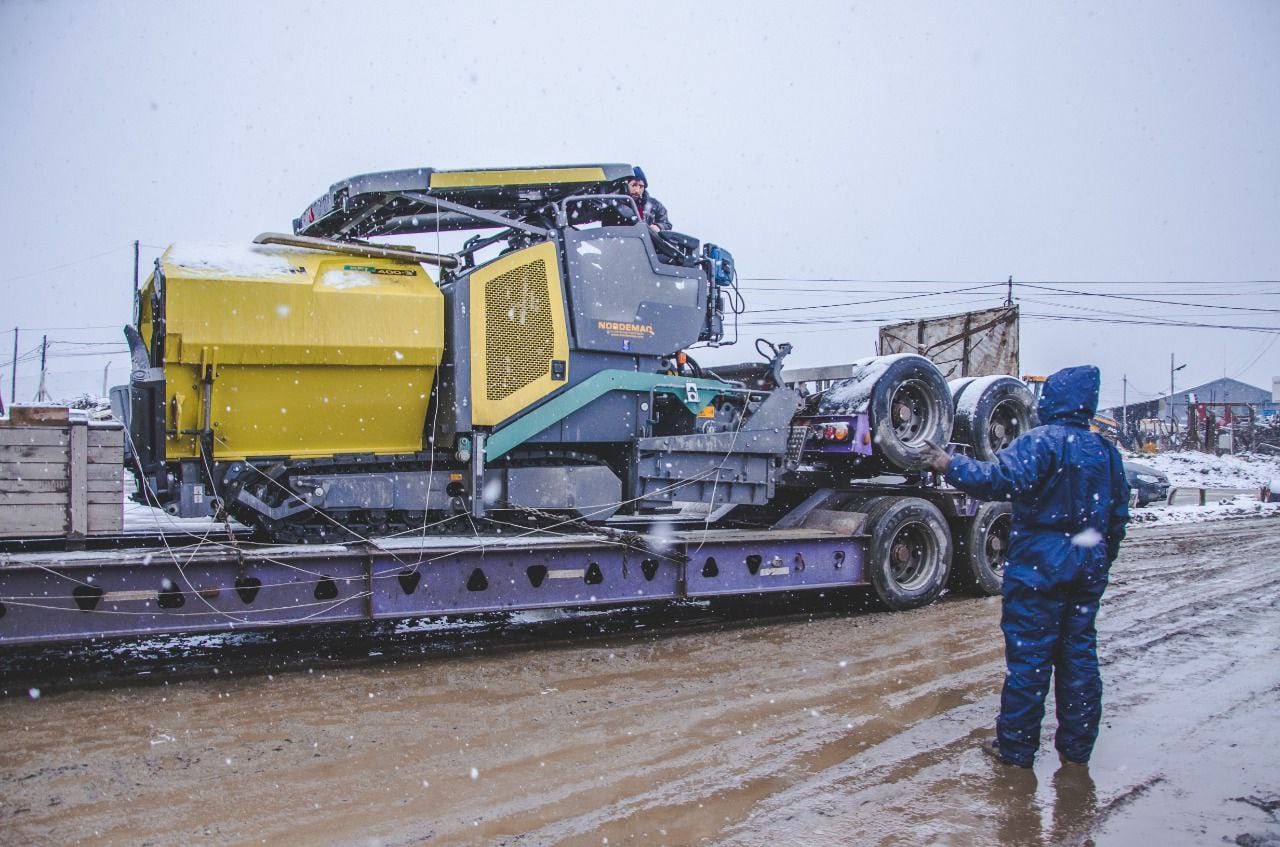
(1223, 390)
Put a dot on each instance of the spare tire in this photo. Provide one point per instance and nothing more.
(990, 412)
(958, 386)
(910, 405)
(906, 400)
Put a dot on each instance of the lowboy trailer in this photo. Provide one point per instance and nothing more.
(523, 429)
(897, 547)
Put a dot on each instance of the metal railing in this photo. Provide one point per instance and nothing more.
(1187, 495)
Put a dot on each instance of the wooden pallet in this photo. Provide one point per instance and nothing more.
(59, 477)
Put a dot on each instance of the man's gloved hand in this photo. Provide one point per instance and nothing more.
(936, 457)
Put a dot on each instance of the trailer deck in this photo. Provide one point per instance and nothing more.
(215, 586)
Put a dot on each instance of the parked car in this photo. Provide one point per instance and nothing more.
(1150, 484)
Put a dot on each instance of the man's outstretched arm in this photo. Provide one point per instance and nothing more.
(1018, 469)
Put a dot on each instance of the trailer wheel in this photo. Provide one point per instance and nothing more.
(992, 411)
(910, 404)
(982, 543)
(909, 557)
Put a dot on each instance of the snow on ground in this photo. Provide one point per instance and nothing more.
(1248, 473)
(1219, 509)
(1204, 470)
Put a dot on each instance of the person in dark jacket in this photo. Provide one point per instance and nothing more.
(651, 211)
(1070, 506)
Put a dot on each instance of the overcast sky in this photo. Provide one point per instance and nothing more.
(844, 152)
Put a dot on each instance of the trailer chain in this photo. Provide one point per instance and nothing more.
(627, 538)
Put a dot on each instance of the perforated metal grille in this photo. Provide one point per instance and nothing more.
(795, 444)
(518, 330)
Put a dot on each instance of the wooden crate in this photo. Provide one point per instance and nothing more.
(60, 477)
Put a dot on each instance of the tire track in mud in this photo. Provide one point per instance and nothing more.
(1207, 634)
(1210, 596)
(662, 711)
(816, 720)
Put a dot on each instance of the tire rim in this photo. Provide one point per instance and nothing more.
(913, 412)
(996, 545)
(913, 555)
(1007, 423)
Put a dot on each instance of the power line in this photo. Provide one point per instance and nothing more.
(865, 316)
(87, 343)
(1150, 299)
(1256, 358)
(878, 300)
(842, 321)
(791, 290)
(112, 352)
(62, 328)
(1058, 292)
(70, 264)
(1166, 321)
(1183, 324)
(877, 315)
(865, 281)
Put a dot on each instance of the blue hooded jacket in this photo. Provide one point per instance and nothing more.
(1062, 479)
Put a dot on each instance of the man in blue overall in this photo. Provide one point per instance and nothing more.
(1070, 505)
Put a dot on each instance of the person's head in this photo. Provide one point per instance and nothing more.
(1070, 395)
(637, 184)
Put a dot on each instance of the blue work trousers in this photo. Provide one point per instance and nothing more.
(1048, 623)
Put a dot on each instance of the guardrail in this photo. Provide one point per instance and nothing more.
(1188, 496)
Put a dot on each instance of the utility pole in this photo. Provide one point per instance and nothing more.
(13, 377)
(42, 395)
(1172, 371)
(1124, 408)
(135, 282)
(1008, 297)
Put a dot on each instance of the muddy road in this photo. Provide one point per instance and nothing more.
(810, 725)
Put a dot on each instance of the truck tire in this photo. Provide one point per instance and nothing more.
(982, 543)
(909, 555)
(990, 412)
(910, 404)
(957, 386)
